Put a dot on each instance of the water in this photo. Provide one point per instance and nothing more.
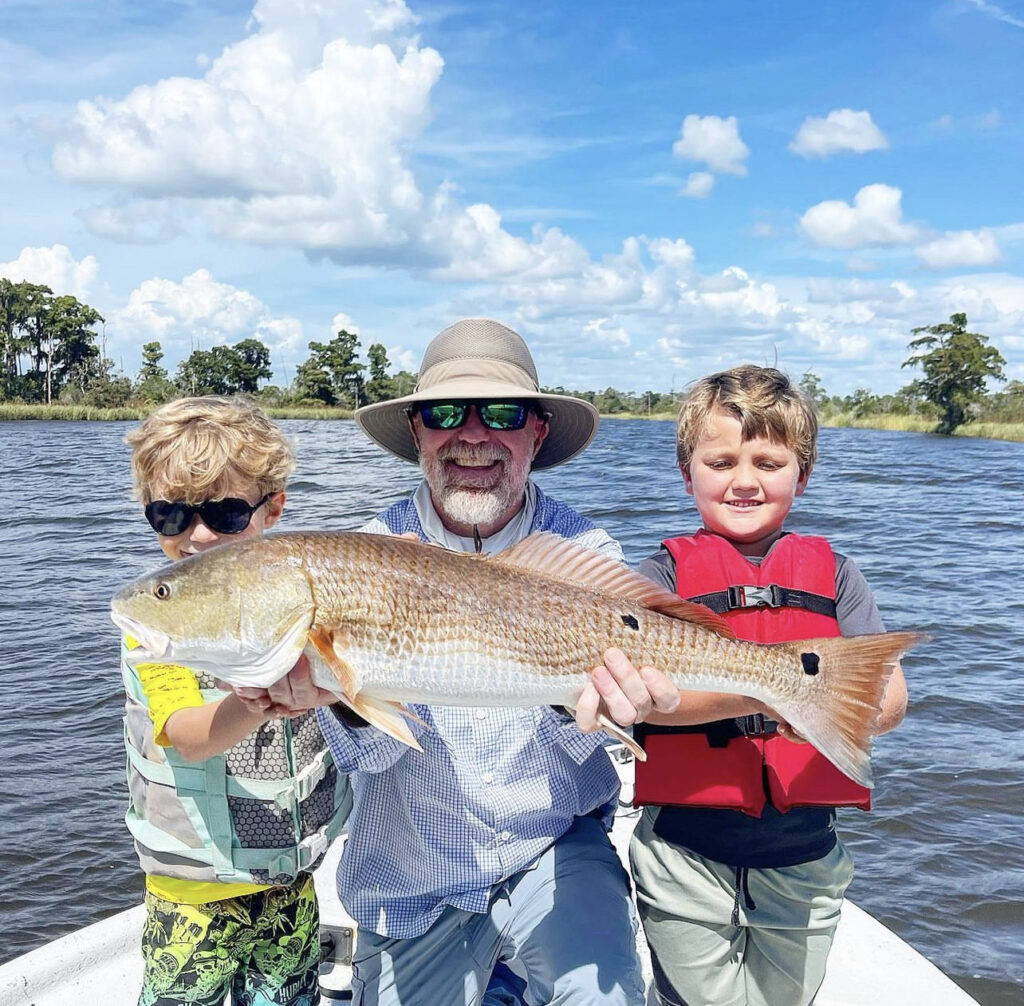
(935, 524)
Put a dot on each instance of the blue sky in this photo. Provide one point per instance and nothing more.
(646, 192)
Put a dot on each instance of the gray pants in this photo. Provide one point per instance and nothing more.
(566, 926)
(709, 948)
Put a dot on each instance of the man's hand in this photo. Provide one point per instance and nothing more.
(623, 693)
(292, 695)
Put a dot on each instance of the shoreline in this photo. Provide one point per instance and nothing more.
(1011, 432)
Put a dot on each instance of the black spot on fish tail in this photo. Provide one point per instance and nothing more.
(631, 621)
(810, 662)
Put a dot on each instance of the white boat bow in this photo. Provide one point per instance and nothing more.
(869, 964)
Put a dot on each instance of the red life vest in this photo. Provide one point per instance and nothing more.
(770, 603)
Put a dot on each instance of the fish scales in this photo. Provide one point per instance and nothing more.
(386, 619)
(437, 619)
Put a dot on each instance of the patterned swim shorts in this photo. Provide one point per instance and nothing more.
(263, 948)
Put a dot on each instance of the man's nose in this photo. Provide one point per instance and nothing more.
(473, 429)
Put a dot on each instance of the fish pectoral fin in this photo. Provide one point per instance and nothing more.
(620, 735)
(386, 716)
(330, 644)
(610, 726)
(409, 714)
(556, 557)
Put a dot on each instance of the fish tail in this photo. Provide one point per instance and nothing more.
(839, 715)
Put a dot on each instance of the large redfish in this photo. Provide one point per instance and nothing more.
(389, 620)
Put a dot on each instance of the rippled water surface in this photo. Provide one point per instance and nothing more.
(935, 524)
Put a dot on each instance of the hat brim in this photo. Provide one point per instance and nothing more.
(573, 422)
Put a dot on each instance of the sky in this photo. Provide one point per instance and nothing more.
(646, 192)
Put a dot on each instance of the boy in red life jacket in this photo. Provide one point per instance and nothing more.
(739, 873)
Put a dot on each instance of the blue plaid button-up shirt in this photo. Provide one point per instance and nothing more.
(492, 790)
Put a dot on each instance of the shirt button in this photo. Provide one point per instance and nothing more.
(488, 777)
(506, 836)
(481, 714)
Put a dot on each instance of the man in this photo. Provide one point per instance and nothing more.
(492, 844)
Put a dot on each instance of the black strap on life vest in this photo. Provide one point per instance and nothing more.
(769, 596)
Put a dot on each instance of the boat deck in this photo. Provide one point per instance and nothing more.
(869, 965)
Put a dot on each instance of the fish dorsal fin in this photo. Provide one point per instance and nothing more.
(554, 556)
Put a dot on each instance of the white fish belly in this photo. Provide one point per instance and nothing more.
(455, 674)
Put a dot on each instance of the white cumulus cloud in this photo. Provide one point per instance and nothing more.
(714, 141)
(197, 313)
(298, 135)
(842, 129)
(343, 321)
(55, 267)
(875, 218)
(960, 248)
(698, 185)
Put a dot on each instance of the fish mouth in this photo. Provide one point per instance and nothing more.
(152, 644)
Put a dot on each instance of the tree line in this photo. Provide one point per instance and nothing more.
(52, 352)
(49, 354)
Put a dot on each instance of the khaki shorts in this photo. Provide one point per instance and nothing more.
(710, 948)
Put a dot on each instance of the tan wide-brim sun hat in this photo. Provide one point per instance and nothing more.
(478, 358)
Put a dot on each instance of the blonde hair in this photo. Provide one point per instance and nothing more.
(202, 448)
(764, 400)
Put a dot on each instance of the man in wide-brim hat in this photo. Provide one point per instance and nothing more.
(477, 423)
(489, 849)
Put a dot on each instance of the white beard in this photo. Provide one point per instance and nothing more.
(472, 505)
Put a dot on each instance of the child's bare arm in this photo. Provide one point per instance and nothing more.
(182, 719)
(706, 707)
(200, 732)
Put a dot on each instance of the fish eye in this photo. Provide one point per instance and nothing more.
(162, 591)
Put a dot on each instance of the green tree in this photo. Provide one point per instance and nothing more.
(22, 310)
(76, 358)
(403, 383)
(206, 372)
(956, 365)
(336, 361)
(251, 365)
(379, 387)
(610, 401)
(1007, 406)
(153, 384)
(38, 341)
(106, 390)
(313, 383)
(811, 385)
(152, 354)
(56, 337)
(861, 403)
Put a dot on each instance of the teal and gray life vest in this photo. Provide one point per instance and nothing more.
(262, 813)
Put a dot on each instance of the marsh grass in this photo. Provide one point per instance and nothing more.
(65, 413)
(993, 431)
(919, 424)
(10, 410)
(298, 413)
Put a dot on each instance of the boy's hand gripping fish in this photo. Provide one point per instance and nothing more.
(388, 620)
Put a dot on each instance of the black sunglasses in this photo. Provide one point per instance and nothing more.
(494, 415)
(226, 516)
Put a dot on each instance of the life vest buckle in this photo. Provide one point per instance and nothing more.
(751, 596)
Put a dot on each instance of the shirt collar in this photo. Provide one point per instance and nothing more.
(515, 530)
